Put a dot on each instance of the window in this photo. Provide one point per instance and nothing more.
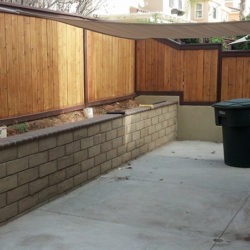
(198, 10)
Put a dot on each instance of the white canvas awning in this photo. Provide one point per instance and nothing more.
(137, 30)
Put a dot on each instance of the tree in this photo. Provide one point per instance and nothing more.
(82, 7)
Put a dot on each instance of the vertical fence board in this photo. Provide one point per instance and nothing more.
(3, 72)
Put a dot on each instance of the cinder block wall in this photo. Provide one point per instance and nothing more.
(38, 166)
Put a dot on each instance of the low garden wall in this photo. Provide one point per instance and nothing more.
(40, 165)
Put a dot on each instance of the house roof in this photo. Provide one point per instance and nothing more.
(135, 30)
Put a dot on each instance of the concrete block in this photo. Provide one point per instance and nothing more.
(73, 147)
(97, 139)
(130, 146)
(17, 165)
(57, 177)
(106, 146)
(93, 151)
(155, 136)
(121, 150)
(8, 154)
(139, 142)
(128, 138)
(8, 212)
(47, 193)
(158, 126)
(144, 115)
(27, 175)
(117, 142)
(135, 153)
(3, 200)
(143, 149)
(162, 133)
(87, 164)
(147, 139)
(155, 120)
(46, 143)
(94, 172)
(3, 170)
(47, 168)
(65, 185)
(100, 158)
(80, 133)
(87, 142)
(144, 132)
(64, 138)
(136, 136)
(27, 149)
(56, 153)
(117, 123)
(116, 162)
(38, 185)
(17, 193)
(80, 178)
(107, 126)
(8, 183)
(120, 132)
(38, 159)
(140, 125)
(27, 203)
(110, 135)
(65, 161)
(165, 109)
(173, 108)
(112, 154)
(151, 146)
(147, 122)
(93, 130)
(80, 156)
(130, 128)
(126, 157)
(106, 166)
(73, 170)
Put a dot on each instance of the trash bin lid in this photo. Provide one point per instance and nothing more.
(241, 103)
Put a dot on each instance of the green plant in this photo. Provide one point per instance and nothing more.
(21, 128)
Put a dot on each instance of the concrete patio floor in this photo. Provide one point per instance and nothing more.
(179, 197)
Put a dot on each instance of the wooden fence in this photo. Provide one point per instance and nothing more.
(235, 75)
(41, 64)
(110, 67)
(47, 66)
(165, 67)
(200, 74)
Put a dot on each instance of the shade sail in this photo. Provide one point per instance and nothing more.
(136, 30)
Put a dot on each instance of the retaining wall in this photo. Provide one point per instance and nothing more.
(40, 165)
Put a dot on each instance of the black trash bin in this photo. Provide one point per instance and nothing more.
(234, 117)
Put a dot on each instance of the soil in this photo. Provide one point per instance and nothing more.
(68, 117)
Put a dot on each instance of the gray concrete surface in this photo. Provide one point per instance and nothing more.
(179, 197)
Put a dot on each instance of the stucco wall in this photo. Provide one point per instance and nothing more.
(198, 123)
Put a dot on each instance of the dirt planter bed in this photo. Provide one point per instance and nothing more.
(40, 165)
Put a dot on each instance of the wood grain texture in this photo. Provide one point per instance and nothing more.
(110, 67)
(41, 65)
(166, 69)
(235, 77)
